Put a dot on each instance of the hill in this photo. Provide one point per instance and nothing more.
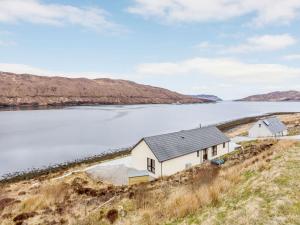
(31, 90)
(276, 96)
(208, 97)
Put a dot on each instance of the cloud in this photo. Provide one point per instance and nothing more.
(34, 11)
(292, 57)
(208, 45)
(5, 43)
(27, 69)
(208, 88)
(262, 11)
(221, 68)
(263, 43)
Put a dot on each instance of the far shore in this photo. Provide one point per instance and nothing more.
(44, 173)
(62, 106)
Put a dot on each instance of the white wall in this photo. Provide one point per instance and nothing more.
(139, 159)
(284, 133)
(178, 164)
(256, 131)
(263, 131)
(220, 150)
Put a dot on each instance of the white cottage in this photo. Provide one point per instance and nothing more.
(268, 127)
(166, 154)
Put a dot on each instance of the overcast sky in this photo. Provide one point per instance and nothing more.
(231, 48)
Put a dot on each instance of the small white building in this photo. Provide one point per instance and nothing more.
(268, 127)
(166, 154)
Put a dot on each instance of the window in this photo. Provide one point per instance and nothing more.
(205, 154)
(151, 165)
(224, 145)
(198, 153)
(214, 151)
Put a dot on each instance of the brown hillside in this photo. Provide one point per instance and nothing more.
(274, 96)
(31, 90)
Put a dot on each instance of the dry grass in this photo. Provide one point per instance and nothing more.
(266, 194)
(48, 196)
(53, 201)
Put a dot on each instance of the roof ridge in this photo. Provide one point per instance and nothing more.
(207, 126)
(269, 117)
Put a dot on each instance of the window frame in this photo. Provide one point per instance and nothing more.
(151, 165)
(215, 150)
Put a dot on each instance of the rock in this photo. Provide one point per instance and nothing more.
(24, 216)
(112, 215)
(6, 202)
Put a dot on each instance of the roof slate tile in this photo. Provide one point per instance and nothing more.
(172, 145)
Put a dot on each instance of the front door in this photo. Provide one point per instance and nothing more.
(204, 154)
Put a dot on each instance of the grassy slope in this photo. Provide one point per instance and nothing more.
(267, 197)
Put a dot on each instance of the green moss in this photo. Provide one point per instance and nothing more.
(293, 164)
(245, 133)
(277, 157)
(296, 208)
(193, 220)
(248, 174)
(246, 194)
(282, 180)
(221, 217)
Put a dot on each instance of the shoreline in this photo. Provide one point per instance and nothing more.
(50, 107)
(62, 167)
(41, 173)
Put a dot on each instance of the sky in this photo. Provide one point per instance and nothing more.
(230, 48)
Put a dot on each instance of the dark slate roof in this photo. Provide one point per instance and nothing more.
(172, 145)
(274, 125)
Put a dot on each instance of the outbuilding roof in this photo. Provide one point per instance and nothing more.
(274, 125)
(172, 145)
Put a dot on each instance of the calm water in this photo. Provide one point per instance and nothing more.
(36, 138)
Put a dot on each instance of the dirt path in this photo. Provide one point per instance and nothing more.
(238, 139)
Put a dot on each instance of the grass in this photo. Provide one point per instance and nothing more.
(48, 196)
(245, 134)
(248, 174)
(269, 196)
(294, 131)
